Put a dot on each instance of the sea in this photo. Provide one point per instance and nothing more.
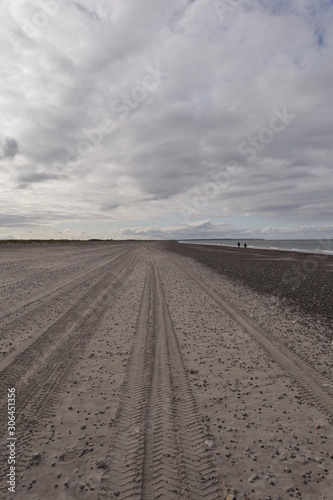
(321, 246)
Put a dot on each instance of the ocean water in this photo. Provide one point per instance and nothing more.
(323, 246)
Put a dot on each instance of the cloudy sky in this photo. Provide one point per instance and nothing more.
(166, 119)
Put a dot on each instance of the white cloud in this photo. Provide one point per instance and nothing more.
(206, 229)
(115, 111)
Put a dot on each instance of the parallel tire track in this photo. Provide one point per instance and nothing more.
(162, 454)
(38, 274)
(158, 449)
(195, 461)
(39, 377)
(305, 377)
(49, 295)
(52, 335)
(125, 455)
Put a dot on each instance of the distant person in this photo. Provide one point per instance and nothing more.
(238, 244)
(245, 245)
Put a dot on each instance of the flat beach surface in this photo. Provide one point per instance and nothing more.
(165, 370)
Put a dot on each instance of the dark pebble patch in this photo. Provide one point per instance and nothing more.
(304, 281)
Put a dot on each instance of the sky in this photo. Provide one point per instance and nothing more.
(153, 119)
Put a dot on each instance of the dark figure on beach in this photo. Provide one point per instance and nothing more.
(238, 244)
(244, 245)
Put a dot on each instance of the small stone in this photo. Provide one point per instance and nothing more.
(35, 457)
(210, 443)
(101, 464)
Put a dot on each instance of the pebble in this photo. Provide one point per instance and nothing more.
(210, 443)
(101, 464)
(253, 478)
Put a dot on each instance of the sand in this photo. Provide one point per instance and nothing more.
(166, 371)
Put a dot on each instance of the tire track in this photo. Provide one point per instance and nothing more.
(306, 378)
(39, 387)
(195, 463)
(162, 456)
(38, 274)
(125, 455)
(33, 275)
(61, 287)
(54, 336)
(45, 334)
(158, 449)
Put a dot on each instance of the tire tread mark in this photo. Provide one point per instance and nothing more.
(158, 448)
(287, 360)
(69, 284)
(50, 378)
(162, 458)
(123, 476)
(196, 463)
(24, 361)
(46, 271)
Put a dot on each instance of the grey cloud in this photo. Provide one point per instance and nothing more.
(9, 220)
(107, 207)
(221, 81)
(10, 148)
(26, 179)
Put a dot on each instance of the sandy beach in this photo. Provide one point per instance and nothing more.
(161, 370)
